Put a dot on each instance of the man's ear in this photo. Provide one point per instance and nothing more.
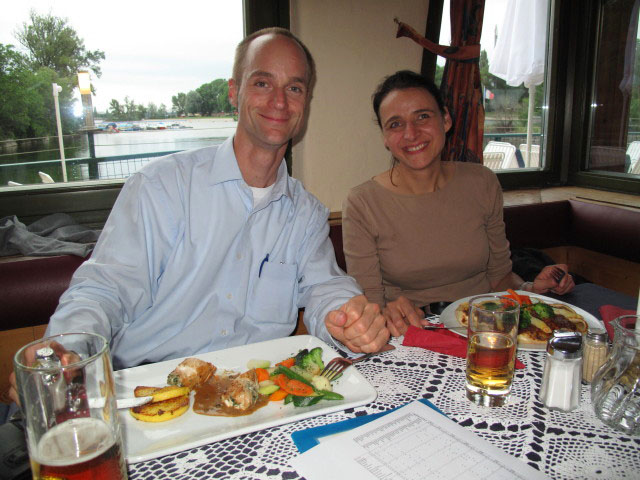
(233, 92)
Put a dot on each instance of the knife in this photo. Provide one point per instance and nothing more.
(121, 402)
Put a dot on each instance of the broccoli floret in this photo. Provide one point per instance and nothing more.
(301, 354)
(542, 310)
(525, 318)
(312, 361)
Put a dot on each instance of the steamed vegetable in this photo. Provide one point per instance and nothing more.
(310, 361)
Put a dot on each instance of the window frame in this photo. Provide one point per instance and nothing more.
(570, 78)
(90, 203)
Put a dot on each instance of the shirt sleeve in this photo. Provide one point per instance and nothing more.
(323, 286)
(499, 264)
(360, 247)
(118, 282)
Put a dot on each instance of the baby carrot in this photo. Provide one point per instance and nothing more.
(278, 395)
(262, 374)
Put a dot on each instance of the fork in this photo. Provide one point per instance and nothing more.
(338, 365)
(558, 274)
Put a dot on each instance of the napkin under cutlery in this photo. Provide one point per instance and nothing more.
(611, 312)
(440, 340)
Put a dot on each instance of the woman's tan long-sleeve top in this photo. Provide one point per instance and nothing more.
(439, 246)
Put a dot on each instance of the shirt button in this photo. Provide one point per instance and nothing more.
(223, 333)
(239, 256)
(229, 296)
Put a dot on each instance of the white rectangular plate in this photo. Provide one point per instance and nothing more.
(449, 320)
(144, 441)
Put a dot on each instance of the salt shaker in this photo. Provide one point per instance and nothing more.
(596, 351)
(561, 380)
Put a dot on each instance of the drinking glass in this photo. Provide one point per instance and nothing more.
(491, 349)
(67, 395)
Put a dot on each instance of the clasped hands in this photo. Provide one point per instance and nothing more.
(359, 325)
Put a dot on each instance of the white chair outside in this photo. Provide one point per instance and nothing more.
(493, 160)
(507, 150)
(46, 178)
(535, 155)
(633, 152)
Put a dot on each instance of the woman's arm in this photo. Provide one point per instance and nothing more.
(360, 248)
(544, 282)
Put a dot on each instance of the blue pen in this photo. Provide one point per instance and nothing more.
(266, 259)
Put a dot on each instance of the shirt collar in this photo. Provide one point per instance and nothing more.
(225, 168)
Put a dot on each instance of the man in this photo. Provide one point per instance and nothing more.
(219, 247)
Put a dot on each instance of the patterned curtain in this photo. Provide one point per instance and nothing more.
(461, 87)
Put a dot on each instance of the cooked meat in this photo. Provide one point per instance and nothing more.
(191, 373)
(242, 391)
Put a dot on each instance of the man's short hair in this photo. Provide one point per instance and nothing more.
(243, 46)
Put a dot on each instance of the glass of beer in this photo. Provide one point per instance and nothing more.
(67, 395)
(491, 349)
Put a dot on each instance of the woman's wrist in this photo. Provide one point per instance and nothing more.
(526, 287)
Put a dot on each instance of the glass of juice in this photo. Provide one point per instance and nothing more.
(491, 349)
(67, 395)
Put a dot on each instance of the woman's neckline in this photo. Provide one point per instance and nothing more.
(437, 190)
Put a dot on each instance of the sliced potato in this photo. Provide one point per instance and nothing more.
(536, 322)
(160, 394)
(161, 411)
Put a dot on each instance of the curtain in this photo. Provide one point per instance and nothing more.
(461, 87)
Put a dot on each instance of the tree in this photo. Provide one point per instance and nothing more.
(194, 102)
(27, 109)
(53, 44)
(179, 102)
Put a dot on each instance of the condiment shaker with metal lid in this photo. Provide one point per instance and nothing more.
(595, 353)
(561, 380)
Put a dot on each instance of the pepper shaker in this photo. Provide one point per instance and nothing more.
(596, 351)
(561, 380)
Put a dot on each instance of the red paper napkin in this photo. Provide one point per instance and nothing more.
(441, 341)
(611, 312)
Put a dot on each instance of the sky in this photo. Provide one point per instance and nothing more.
(153, 49)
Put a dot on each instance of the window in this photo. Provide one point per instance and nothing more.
(156, 89)
(513, 71)
(615, 108)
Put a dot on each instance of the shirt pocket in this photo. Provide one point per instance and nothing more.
(275, 292)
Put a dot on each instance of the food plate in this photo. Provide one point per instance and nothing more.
(449, 320)
(144, 441)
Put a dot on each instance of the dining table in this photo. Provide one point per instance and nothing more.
(561, 445)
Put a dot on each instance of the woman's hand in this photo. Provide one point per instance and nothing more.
(547, 280)
(401, 313)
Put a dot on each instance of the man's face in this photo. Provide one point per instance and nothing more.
(272, 96)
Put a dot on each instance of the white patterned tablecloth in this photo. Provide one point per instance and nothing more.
(573, 445)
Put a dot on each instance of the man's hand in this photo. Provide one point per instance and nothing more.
(66, 357)
(359, 325)
(401, 313)
(546, 280)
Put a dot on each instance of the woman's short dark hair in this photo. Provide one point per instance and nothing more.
(402, 80)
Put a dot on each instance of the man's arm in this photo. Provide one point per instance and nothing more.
(117, 282)
(335, 306)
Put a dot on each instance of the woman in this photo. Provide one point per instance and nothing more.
(428, 230)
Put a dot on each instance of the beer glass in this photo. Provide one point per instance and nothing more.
(491, 349)
(67, 395)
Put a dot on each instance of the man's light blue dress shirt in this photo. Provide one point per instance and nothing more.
(180, 267)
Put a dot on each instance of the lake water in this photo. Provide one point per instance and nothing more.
(23, 163)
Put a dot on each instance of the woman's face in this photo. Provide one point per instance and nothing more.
(413, 127)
